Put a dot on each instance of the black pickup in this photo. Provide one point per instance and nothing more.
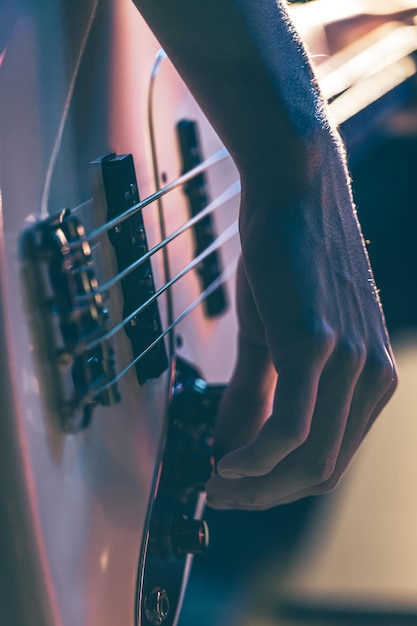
(130, 244)
(204, 233)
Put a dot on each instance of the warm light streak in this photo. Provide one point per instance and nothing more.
(373, 59)
(368, 90)
(104, 559)
(2, 55)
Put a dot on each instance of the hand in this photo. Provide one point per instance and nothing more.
(308, 311)
(308, 307)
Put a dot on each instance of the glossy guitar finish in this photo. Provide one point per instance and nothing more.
(74, 524)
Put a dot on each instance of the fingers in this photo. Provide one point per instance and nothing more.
(289, 425)
(316, 466)
(379, 376)
(247, 401)
(294, 462)
(350, 446)
(286, 429)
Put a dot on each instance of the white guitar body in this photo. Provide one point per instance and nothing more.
(75, 506)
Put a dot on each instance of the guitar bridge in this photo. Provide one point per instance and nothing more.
(69, 315)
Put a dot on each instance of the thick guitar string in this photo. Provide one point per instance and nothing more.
(221, 199)
(226, 235)
(58, 139)
(223, 277)
(161, 55)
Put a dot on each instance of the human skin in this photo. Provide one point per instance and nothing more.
(312, 338)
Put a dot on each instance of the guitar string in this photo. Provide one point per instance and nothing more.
(226, 235)
(160, 56)
(58, 139)
(217, 157)
(220, 200)
(223, 277)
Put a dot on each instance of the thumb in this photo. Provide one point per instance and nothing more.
(247, 401)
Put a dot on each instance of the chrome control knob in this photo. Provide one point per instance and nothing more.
(157, 606)
(189, 536)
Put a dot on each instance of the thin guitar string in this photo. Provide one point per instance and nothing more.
(221, 199)
(58, 140)
(225, 275)
(225, 236)
(160, 56)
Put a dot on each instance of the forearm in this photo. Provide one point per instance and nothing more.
(307, 305)
(249, 71)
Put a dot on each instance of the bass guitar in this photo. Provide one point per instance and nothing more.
(118, 247)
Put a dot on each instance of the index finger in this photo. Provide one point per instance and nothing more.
(285, 430)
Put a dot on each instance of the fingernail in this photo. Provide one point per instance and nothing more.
(229, 474)
(220, 503)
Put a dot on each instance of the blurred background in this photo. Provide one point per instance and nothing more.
(349, 557)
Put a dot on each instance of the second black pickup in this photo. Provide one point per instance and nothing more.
(204, 231)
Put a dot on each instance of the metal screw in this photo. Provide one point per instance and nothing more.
(64, 360)
(157, 606)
